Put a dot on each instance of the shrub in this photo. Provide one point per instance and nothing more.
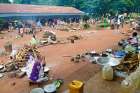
(86, 18)
(1, 21)
(86, 26)
(104, 24)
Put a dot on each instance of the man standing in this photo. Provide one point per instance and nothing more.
(118, 24)
(39, 25)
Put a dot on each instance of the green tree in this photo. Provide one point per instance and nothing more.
(98, 7)
(132, 5)
(4, 1)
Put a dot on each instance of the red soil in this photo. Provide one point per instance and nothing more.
(61, 67)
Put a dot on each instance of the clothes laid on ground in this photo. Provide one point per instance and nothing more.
(107, 72)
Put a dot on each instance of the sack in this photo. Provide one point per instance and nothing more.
(107, 72)
(34, 41)
(133, 80)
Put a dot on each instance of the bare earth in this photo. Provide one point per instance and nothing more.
(57, 58)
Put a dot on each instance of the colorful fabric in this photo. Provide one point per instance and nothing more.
(34, 69)
(29, 65)
(130, 48)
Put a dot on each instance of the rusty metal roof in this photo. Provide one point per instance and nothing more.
(22, 8)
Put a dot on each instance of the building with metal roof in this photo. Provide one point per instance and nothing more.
(34, 11)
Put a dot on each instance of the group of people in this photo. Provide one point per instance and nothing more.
(117, 22)
(132, 43)
(34, 66)
(28, 27)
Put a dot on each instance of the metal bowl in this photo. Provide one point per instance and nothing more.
(1, 67)
(37, 90)
(50, 88)
(1, 75)
(23, 69)
(108, 61)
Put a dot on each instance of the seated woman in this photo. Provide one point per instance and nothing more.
(133, 40)
(35, 69)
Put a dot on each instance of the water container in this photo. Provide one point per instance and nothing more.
(107, 72)
(76, 87)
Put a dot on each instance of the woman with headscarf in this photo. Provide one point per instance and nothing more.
(35, 68)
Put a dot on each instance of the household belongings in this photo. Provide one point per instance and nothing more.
(8, 47)
(133, 80)
(58, 83)
(13, 53)
(129, 63)
(10, 66)
(37, 90)
(91, 56)
(1, 67)
(50, 88)
(73, 38)
(137, 24)
(76, 59)
(119, 54)
(107, 72)
(76, 86)
(49, 38)
(108, 61)
(35, 68)
(23, 55)
(130, 48)
(34, 41)
(1, 75)
(48, 34)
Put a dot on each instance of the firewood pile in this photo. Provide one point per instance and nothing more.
(129, 63)
(20, 59)
(23, 54)
(70, 27)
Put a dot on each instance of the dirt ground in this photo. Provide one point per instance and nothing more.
(58, 59)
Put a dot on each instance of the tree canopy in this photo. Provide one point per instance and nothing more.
(100, 7)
